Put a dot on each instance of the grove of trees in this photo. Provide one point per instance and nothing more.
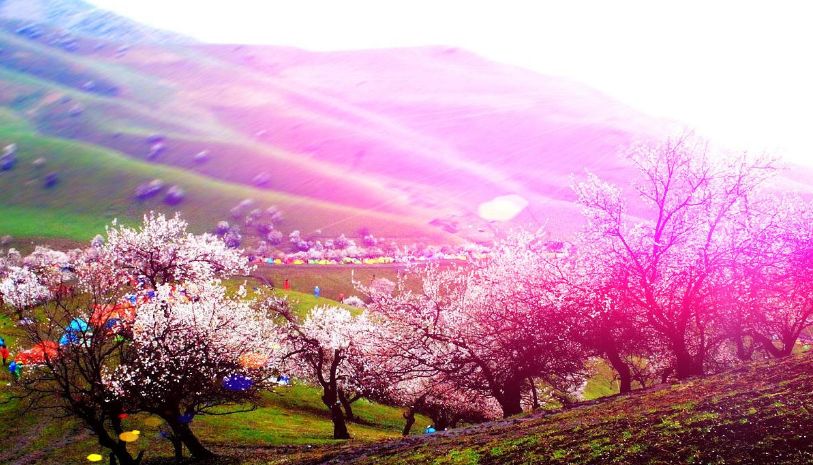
(703, 265)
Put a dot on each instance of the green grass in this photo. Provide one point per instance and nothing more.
(99, 183)
(754, 414)
(47, 223)
(98, 176)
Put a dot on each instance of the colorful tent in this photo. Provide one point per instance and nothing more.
(77, 325)
(108, 315)
(38, 353)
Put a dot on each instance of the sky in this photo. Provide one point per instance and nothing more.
(739, 72)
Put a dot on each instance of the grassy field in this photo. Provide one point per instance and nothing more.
(759, 413)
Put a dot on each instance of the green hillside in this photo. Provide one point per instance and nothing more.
(88, 117)
(759, 413)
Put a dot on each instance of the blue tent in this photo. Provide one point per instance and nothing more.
(237, 383)
(70, 337)
(77, 325)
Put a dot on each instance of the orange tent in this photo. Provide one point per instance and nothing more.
(38, 353)
(102, 314)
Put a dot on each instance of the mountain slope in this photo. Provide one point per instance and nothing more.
(79, 17)
(756, 414)
(427, 134)
(421, 133)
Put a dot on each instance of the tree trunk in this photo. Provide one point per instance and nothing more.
(409, 416)
(184, 434)
(177, 445)
(788, 343)
(742, 353)
(192, 443)
(534, 394)
(769, 347)
(511, 399)
(620, 367)
(440, 421)
(347, 406)
(118, 449)
(339, 425)
(685, 365)
(331, 399)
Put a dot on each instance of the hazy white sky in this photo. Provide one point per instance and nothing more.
(739, 72)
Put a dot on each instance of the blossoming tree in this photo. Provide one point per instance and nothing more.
(674, 240)
(149, 329)
(325, 347)
(491, 327)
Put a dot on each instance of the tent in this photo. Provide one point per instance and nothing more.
(108, 315)
(77, 325)
(38, 353)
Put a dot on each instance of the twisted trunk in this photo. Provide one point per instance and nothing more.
(336, 415)
(183, 434)
(510, 398)
(620, 366)
(409, 416)
(347, 406)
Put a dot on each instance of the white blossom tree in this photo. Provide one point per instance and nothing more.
(490, 327)
(189, 352)
(325, 347)
(162, 250)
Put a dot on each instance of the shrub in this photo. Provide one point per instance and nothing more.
(174, 195)
(262, 179)
(51, 179)
(202, 157)
(148, 189)
(222, 228)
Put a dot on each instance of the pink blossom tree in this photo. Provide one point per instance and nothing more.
(769, 283)
(674, 239)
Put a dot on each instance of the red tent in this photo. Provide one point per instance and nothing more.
(37, 354)
(124, 312)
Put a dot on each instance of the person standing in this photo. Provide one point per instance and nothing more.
(316, 291)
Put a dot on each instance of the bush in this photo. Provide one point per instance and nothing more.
(76, 110)
(7, 162)
(354, 301)
(262, 179)
(51, 179)
(155, 138)
(232, 239)
(155, 150)
(148, 189)
(222, 228)
(238, 210)
(274, 237)
(201, 157)
(174, 195)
